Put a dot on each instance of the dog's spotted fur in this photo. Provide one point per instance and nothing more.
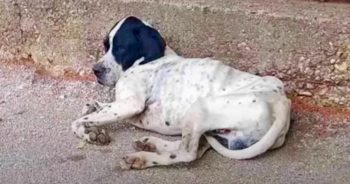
(241, 115)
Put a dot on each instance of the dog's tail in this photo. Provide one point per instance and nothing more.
(281, 111)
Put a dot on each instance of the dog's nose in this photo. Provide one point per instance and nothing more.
(98, 69)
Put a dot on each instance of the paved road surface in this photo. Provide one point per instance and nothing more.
(36, 145)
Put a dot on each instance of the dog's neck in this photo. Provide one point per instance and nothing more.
(169, 51)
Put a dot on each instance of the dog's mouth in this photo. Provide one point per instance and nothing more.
(99, 81)
(105, 82)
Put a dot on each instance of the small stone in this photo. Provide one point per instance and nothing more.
(300, 85)
(243, 44)
(304, 93)
(20, 87)
(34, 133)
(81, 144)
(309, 86)
(341, 67)
(308, 71)
(317, 72)
(336, 100)
(300, 67)
(82, 73)
(63, 96)
(332, 61)
(323, 91)
(20, 112)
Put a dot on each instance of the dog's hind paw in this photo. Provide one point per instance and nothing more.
(135, 161)
(141, 160)
(143, 145)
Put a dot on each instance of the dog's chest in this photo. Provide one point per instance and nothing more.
(153, 119)
(162, 104)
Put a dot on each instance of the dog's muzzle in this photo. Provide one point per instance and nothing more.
(99, 70)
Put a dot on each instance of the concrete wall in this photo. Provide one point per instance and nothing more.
(307, 44)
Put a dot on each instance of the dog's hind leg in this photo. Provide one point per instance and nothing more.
(185, 150)
(155, 144)
(203, 147)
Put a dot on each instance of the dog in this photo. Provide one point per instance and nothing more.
(238, 114)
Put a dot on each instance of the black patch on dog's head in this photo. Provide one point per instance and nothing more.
(135, 40)
(106, 45)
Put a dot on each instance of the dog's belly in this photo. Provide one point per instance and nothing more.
(152, 119)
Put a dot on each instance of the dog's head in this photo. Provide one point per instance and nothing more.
(130, 42)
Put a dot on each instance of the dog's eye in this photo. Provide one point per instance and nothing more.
(106, 43)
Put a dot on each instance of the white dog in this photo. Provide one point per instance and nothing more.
(239, 114)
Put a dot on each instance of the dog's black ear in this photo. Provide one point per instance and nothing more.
(152, 43)
(135, 40)
(126, 48)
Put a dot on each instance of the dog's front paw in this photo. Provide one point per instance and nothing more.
(97, 136)
(90, 134)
